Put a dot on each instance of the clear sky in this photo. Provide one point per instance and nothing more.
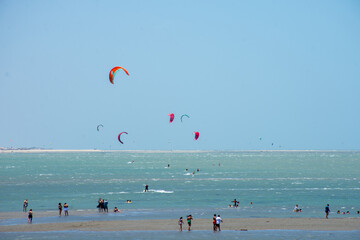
(285, 71)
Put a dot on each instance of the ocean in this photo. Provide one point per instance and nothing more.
(201, 183)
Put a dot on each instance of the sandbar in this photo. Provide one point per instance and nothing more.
(237, 224)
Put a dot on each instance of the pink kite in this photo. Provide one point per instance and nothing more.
(196, 135)
(120, 135)
(171, 117)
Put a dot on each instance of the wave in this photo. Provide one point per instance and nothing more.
(160, 191)
(111, 193)
(108, 193)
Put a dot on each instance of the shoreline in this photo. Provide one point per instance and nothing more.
(155, 151)
(234, 224)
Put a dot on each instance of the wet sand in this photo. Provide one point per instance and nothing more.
(238, 224)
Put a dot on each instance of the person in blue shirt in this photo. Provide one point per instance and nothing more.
(327, 211)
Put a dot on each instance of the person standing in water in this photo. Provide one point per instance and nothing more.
(30, 216)
(25, 204)
(327, 211)
(66, 209)
(236, 203)
(146, 188)
(106, 209)
(60, 209)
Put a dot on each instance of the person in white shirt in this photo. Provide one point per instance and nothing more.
(218, 221)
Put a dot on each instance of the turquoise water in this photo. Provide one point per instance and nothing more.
(273, 181)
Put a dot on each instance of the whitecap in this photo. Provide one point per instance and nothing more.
(111, 193)
(160, 191)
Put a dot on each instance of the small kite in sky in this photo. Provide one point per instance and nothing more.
(171, 117)
(196, 135)
(184, 115)
(100, 125)
(120, 135)
(113, 71)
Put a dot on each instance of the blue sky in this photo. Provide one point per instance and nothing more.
(285, 71)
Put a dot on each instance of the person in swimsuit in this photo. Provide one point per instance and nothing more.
(60, 209)
(66, 209)
(180, 222)
(30, 216)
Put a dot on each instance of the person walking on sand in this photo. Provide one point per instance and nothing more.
(180, 222)
(327, 211)
(66, 209)
(60, 209)
(218, 221)
(189, 218)
(30, 216)
(214, 222)
(25, 204)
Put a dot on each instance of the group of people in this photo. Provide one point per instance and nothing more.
(188, 219)
(216, 222)
(297, 209)
(66, 209)
(102, 205)
(30, 213)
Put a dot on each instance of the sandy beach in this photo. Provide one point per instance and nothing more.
(237, 224)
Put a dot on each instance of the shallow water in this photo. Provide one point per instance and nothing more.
(244, 235)
(273, 181)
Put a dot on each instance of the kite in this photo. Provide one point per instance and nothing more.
(171, 117)
(183, 116)
(196, 135)
(113, 71)
(100, 125)
(120, 135)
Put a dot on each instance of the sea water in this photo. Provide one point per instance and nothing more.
(160, 235)
(266, 183)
